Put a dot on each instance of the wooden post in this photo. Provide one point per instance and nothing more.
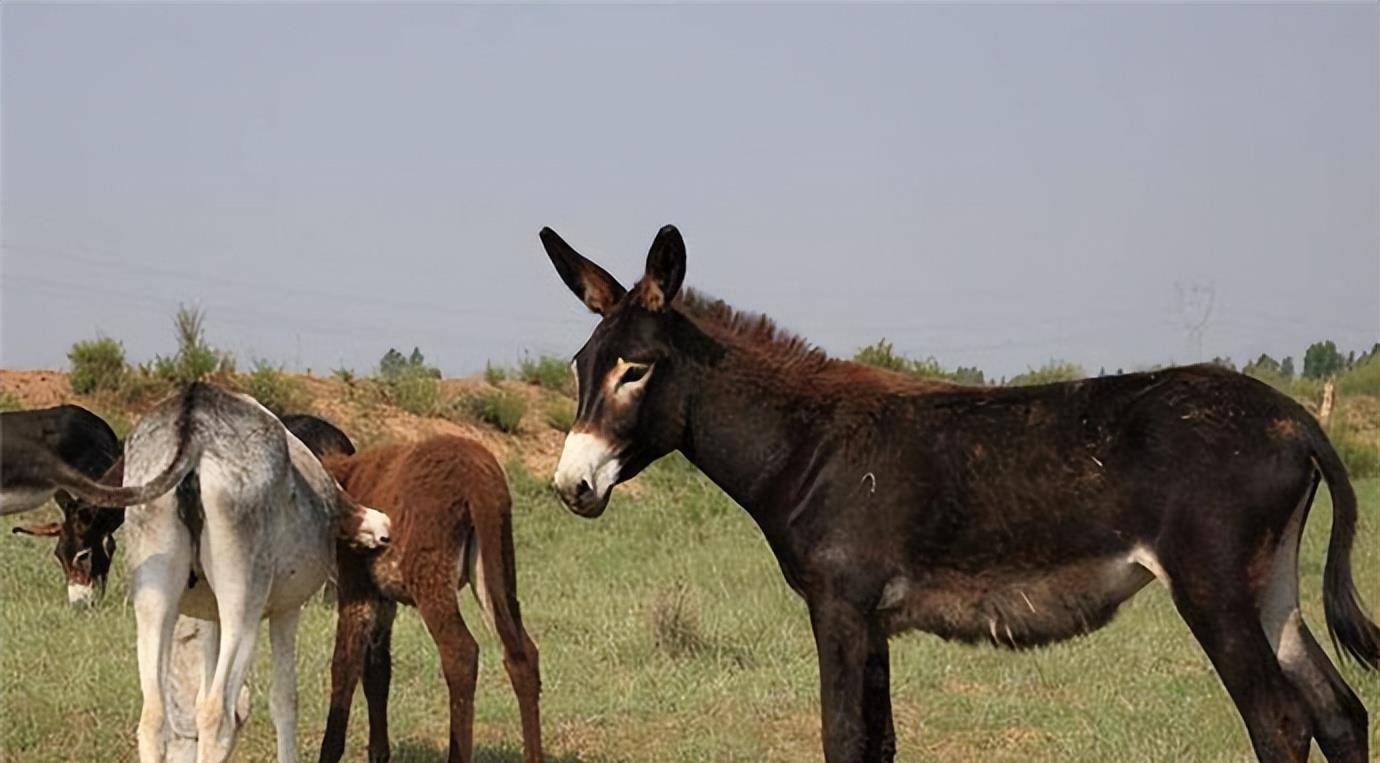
(1328, 398)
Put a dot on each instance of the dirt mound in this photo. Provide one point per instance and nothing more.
(362, 416)
(37, 389)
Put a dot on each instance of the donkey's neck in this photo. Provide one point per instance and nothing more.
(745, 431)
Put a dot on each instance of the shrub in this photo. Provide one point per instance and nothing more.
(142, 384)
(344, 375)
(195, 359)
(277, 391)
(1050, 372)
(547, 372)
(675, 622)
(414, 392)
(98, 365)
(500, 409)
(10, 402)
(494, 374)
(1363, 379)
(560, 415)
(1360, 454)
(883, 355)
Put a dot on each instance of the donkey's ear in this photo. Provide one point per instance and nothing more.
(591, 283)
(50, 530)
(665, 270)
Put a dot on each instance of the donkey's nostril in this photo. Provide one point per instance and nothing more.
(583, 489)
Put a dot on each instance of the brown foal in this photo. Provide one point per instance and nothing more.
(452, 524)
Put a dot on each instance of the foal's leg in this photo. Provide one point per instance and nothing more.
(160, 563)
(842, 641)
(1339, 718)
(459, 663)
(282, 700)
(354, 622)
(1213, 596)
(378, 673)
(494, 583)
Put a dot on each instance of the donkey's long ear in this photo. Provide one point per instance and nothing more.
(665, 270)
(591, 283)
(50, 530)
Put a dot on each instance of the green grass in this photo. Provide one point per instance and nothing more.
(667, 634)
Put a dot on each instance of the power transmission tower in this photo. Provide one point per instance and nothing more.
(1193, 303)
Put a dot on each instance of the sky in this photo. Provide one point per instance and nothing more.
(994, 185)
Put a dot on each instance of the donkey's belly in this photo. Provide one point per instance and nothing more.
(1013, 608)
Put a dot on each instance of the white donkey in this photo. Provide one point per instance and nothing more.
(237, 521)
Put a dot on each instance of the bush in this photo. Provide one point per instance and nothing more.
(415, 392)
(10, 402)
(560, 415)
(142, 384)
(195, 359)
(1363, 379)
(494, 374)
(1051, 372)
(883, 355)
(548, 373)
(500, 409)
(675, 622)
(1360, 453)
(277, 391)
(98, 365)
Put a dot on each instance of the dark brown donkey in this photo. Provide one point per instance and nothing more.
(1015, 516)
(451, 524)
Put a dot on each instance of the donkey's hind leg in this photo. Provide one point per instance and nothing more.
(1339, 718)
(159, 564)
(1213, 595)
(282, 699)
(237, 569)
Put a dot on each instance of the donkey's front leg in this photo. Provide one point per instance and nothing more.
(842, 637)
(881, 734)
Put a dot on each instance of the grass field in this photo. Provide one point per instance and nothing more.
(667, 634)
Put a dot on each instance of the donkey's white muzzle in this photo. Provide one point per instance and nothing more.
(586, 474)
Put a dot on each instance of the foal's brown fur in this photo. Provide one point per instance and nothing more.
(452, 519)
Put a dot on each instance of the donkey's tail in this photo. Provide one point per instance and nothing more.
(184, 456)
(1347, 622)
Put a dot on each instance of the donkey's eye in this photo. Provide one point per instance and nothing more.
(635, 372)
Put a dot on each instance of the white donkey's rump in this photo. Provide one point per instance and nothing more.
(253, 522)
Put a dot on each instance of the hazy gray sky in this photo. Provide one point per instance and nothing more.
(994, 185)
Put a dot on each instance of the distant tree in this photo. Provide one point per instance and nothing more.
(394, 365)
(1286, 367)
(1322, 360)
(1263, 365)
(1224, 362)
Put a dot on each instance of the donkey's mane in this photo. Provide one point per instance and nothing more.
(752, 332)
(810, 368)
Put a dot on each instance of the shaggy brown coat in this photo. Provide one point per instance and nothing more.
(452, 524)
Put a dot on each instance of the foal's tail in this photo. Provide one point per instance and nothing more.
(1347, 622)
(99, 494)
